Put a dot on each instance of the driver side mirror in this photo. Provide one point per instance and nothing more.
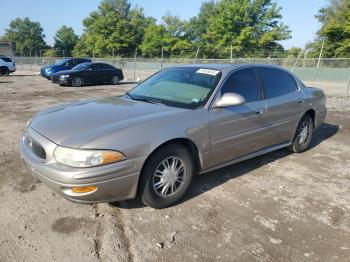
(229, 99)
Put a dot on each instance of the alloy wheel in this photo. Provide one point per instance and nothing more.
(169, 176)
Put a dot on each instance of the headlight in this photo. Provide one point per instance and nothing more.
(48, 70)
(63, 77)
(86, 158)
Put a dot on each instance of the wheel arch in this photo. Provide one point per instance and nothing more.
(311, 112)
(188, 143)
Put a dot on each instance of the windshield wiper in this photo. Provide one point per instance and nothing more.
(144, 99)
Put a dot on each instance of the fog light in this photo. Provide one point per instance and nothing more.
(85, 189)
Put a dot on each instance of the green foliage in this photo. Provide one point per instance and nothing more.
(335, 30)
(65, 40)
(170, 36)
(114, 26)
(293, 52)
(248, 28)
(253, 28)
(28, 36)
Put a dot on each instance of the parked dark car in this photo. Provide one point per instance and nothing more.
(89, 73)
(64, 64)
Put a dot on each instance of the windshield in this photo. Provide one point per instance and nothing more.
(61, 62)
(82, 66)
(186, 87)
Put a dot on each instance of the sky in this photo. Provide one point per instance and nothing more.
(299, 15)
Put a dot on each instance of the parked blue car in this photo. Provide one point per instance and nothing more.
(64, 64)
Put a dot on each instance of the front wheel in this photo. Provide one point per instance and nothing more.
(4, 71)
(303, 135)
(166, 176)
(77, 82)
(115, 80)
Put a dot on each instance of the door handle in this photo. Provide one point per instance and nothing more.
(300, 101)
(259, 111)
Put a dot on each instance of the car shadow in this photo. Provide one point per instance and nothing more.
(208, 181)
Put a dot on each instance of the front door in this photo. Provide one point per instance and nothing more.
(236, 131)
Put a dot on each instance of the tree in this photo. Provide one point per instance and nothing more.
(28, 36)
(253, 28)
(114, 26)
(170, 35)
(65, 40)
(293, 52)
(335, 30)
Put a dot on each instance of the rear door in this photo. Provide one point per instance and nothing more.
(106, 73)
(236, 131)
(285, 104)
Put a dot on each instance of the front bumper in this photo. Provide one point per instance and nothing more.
(114, 182)
(57, 80)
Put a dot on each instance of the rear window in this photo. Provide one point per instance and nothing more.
(276, 82)
(106, 66)
(6, 59)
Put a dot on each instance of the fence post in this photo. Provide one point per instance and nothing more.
(320, 56)
(161, 59)
(348, 90)
(296, 62)
(135, 63)
(30, 55)
(113, 56)
(195, 59)
(22, 58)
(231, 53)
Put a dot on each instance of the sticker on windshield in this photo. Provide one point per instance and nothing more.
(208, 71)
(195, 100)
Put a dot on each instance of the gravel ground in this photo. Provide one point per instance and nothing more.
(277, 207)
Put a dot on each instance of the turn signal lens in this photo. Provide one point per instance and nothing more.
(111, 157)
(85, 189)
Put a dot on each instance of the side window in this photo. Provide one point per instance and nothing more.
(275, 82)
(290, 82)
(75, 62)
(6, 59)
(105, 66)
(96, 66)
(243, 82)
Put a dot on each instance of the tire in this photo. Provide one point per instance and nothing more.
(4, 71)
(303, 135)
(114, 80)
(153, 182)
(77, 81)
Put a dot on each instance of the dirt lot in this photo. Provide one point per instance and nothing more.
(277, 207)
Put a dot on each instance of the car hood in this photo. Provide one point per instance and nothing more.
(74, 124)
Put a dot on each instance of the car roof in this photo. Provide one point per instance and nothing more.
(229, 67)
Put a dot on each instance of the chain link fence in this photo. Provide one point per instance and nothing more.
(330, 74)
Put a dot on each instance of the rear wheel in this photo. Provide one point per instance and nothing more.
(115, 80)
(77, 82)
(166, 176)
(303, 135)
(4, 71)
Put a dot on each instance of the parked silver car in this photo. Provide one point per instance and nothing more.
(181, 121)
